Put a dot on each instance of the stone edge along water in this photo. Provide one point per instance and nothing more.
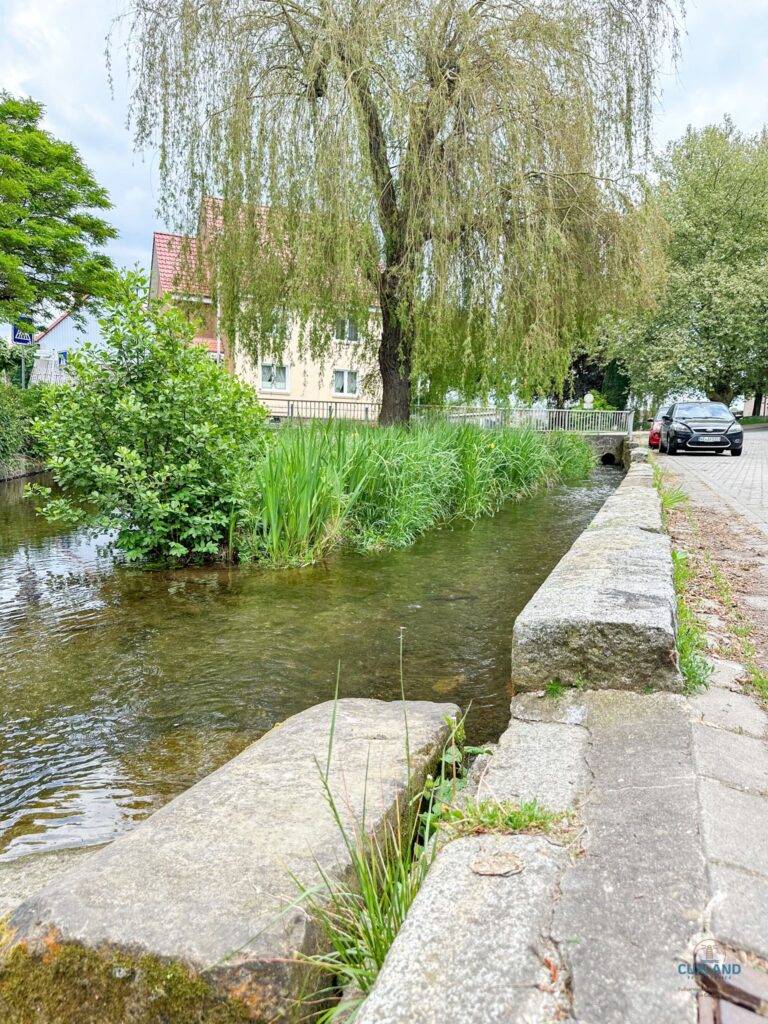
(209, 880)
(605, 617)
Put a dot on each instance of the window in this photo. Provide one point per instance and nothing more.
(274, 377)
(345, 382)
(702, 411)
(63, 357)
(346, 330)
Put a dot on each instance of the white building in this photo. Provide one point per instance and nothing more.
(56, 344)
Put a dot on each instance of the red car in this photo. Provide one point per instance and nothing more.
(654, 436)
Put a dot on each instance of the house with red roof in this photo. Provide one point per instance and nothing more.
(345, 383)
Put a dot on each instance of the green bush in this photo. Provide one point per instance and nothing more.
(12, 432)
(151, 437)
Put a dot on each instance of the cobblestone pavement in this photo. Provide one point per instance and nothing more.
(740, 483)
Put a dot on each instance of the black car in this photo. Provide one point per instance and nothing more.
(700, 427)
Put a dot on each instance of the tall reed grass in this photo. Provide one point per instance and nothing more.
(322, 486)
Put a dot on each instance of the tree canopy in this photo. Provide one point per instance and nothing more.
(460, 165)
(50, 236)
(709, 328)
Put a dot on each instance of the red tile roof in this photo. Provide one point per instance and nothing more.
(210, 343)
(176, 259)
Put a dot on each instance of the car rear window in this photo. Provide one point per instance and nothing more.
(703, 410)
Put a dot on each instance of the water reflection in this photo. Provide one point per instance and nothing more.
(119, 688)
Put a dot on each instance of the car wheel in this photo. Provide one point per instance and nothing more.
(735, 451)
(671, 445)
(662, 447)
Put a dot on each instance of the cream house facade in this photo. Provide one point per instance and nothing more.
(344, 383)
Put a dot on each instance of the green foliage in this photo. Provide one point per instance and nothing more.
(554, 689)
(709, 330)
(50, 239)
(361, 918)
(616, 385)
(12, 358)
(300, 495)
(151, 438)
(34, 403)
(321, 486)
(463, 164)
(503, 816)
(12, 432)
(672, 497)
(691, 642)
(18, 410)
(599, 401)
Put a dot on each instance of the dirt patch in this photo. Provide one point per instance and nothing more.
(729, 585)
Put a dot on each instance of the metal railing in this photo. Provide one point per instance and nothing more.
(49, 370)
(302, 409)
(580, 421)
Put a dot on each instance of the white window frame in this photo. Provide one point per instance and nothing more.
(272, 387)
(346, 340)
(347, 393)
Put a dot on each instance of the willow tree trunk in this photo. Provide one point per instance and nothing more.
(757, 404)
(394, 357)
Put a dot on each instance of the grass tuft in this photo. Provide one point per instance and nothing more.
(360, 916)
(501, 816)
(324, 485)
(691, 642)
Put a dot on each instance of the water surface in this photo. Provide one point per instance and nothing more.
(119, 688)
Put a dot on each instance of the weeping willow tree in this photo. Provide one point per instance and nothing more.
(451, 173)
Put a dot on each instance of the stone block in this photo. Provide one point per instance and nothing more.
(473, 945)
(732, 758)
(605, 616)
(208, 881)
(727, 710)
(631, 506)
(735, 826)
(629, 908)
(537, 761)
(739, 908)
(726, 673)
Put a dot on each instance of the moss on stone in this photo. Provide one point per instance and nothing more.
(68, 984)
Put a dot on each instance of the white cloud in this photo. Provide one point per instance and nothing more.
(723, 69)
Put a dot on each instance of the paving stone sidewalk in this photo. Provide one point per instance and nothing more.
(741, 484)
(671, 798)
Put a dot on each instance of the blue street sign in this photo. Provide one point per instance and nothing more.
(22, 337)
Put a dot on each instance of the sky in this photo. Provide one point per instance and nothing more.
(53, 50)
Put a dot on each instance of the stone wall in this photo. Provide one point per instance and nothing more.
(605, 617)
(609, 448)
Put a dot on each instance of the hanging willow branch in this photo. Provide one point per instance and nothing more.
(457, 164)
